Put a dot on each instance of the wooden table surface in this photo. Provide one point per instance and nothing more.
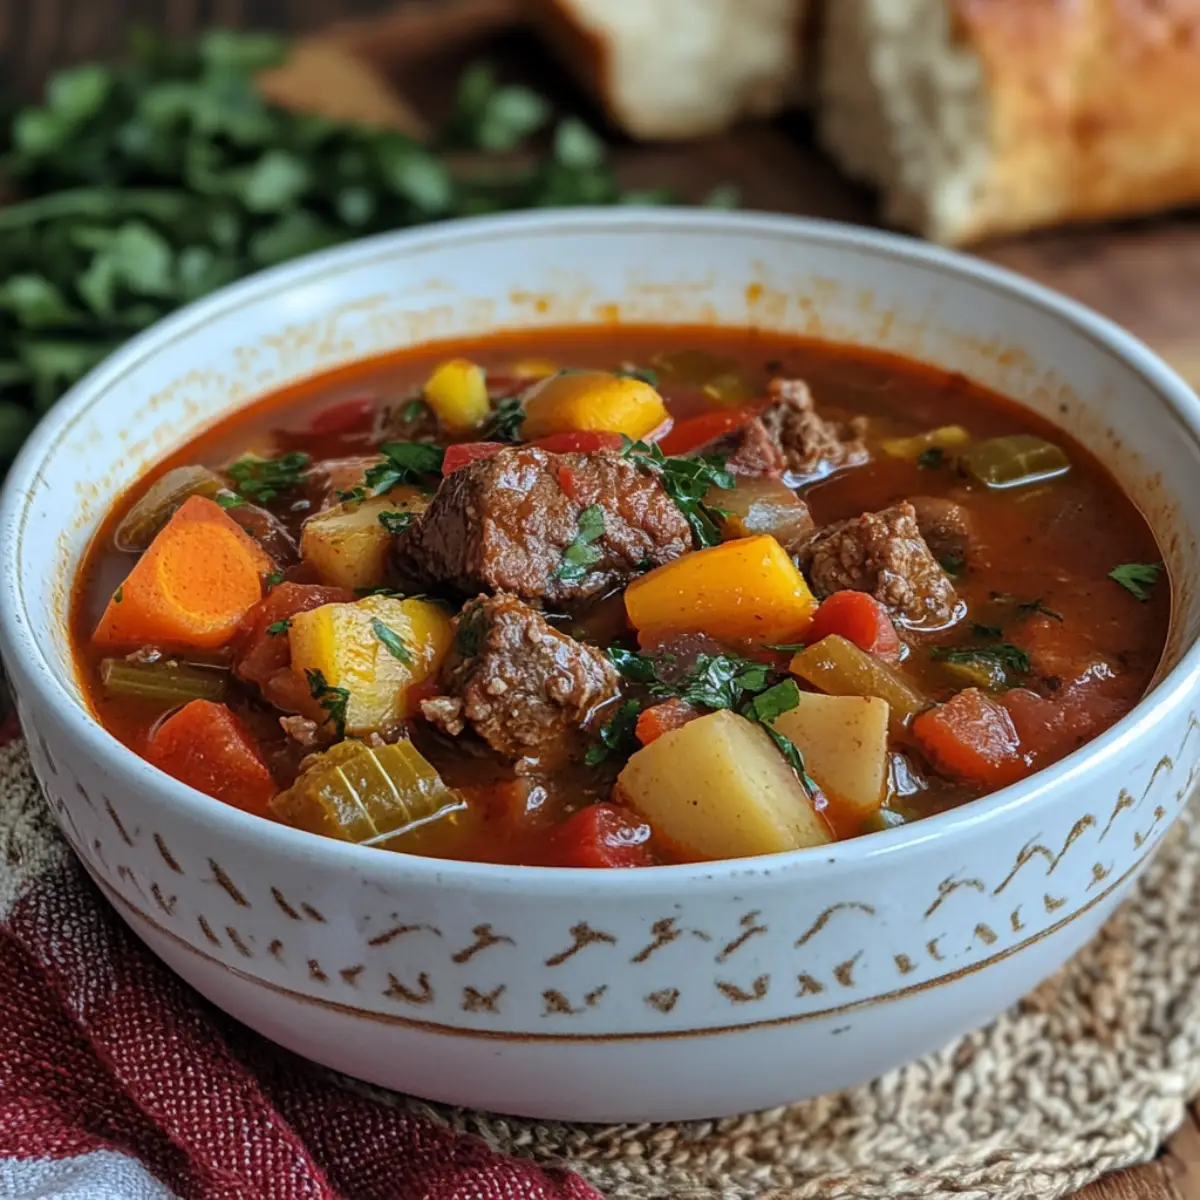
(1143, 274)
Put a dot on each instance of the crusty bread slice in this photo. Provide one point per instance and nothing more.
(983, 117)
(680, 68)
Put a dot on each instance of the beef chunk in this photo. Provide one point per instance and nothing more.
(523, 687)
(883, 553)
(504, 524)
(791, 436)
(946, 527)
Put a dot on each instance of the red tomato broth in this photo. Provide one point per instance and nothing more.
(1037, 543)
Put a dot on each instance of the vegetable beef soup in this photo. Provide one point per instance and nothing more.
(617, 598)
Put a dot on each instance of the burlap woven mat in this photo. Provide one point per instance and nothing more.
(1089, 1074)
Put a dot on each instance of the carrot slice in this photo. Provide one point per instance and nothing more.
(972, 738)
(672, 714)
(601, 835)
(860, 619)
(193, 585)
(205, 746)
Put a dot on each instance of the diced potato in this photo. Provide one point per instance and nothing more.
(349, 645)
(592, 401)
(844, 740)
(457, 393)
(948, 437)
(762, 506)
(747, 588)
(841, 668)
(347, 546)
(719, 787)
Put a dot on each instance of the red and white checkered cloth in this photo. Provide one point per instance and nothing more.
(118, 1082)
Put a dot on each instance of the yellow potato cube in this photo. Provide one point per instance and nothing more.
(592, 401)
(375, 649)
(457, 393)
(347, 545)
(747, 588)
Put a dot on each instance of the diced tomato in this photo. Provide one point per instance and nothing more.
(973, 739)
(860, 619)
(345, 416)
(1051, 728)
(579, 443)
(672, 714)
(601, 836)
(695, 432)
(205, 746)
(462, 453)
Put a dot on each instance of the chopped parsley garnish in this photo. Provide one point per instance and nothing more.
(466, 637)
(583, 553)
(229, 499)
(413, 411)
(392, 641)
(378, 591)
(722, 681)
(1038, 608)
(262, 479)
(616, 736)
(637, 668)
(119, 594)
(1002, 654)
(1137, 578)
(332, 699)
(276, 628)
(354, 495)
(987, 631)
(931, 459)
(768, 706)
(396, 522)
(788, 647)
(403, 462)
(687, 481)
(274, 579)
(504, 425)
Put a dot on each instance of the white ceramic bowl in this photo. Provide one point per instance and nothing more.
(666, 993)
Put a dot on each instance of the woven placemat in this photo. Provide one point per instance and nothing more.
(1089, 1074)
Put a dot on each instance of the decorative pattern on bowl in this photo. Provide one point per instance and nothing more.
(654, 994)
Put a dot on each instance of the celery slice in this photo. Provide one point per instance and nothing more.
(1014, 461)
(166, 683)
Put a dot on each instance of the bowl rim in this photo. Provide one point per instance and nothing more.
(20, 648)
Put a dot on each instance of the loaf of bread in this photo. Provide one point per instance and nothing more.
(984, 117)
(680, 68)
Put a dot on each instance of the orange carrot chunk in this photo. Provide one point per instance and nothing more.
(193, 585)
(205, 746)
(860, 619)
(653, 722)
(971, 738)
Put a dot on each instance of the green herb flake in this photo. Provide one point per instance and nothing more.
(468, 633)
(788, 647)
(1038, 608)
(262, 479)
(274, 579)
(404, 462)
(229, 499)
(583, 553)
(392, 641)
(277, 628)
(769, 706)
(645, 374)
(354, 495)
(616, 736)
(379, 591)
(987, 631)
(119, 594)
(1003, 654)
(688, 481)
(1138, 579)
(931, 459)
(504, 425)
(396, 522)
(413, 411)
(637, 668)
(332, 699)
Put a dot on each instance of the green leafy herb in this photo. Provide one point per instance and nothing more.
(274, 579)
(413, 411)
(354, 495)
(645, 374)
(277, 628)
(788, 647)
(1038, 607)
(262, 479)
(583, 553)
(1137, 578)
(931, 459)
(719, 681)
(332, 699)
(378, 591)
(987, 631)
(404, 462)
(637, 668)
(396, 522)
(765, 708)
(119, 594)
(504, 425)
(469, 631)
(616, 736)
(688, 482)
(229, 499)
(1003, 654)
(392, 641)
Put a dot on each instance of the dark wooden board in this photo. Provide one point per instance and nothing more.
(1143, 274)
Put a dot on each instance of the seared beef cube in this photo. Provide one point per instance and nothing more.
(946, 527)
(884, 554)
(523, 687)
(792, 436)
(504, 524)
